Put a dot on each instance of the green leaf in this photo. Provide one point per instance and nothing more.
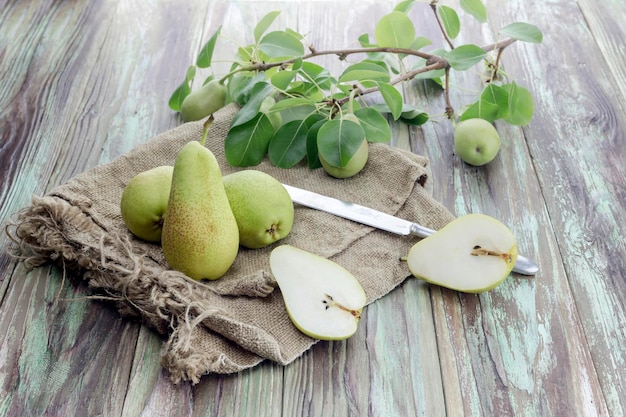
(239, 87)
(420, 42)
(317, 74)
(412, 116)
(465, 56)
(298, 111)
(338, 140)
(435, 75)
(263, 24)
(177, 97)
(208, 79)
(312, 154)
(476, 8)
(374, 124)
(183, 90)
(450, 20)
(365, 71)
(244, 54)
(364, 41)
(206, 53)
(191, 73)
(520, 105)
(280, 44)
(288, 146)
(282, 79)
(395, 30)
(297, 64)
(258, 93)
(493, 104)
(383, 108)
(522, 32)
(292, 102)
(246, 144)
(392, 98)
(404, 6)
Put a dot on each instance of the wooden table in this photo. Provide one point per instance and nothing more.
(83, 82)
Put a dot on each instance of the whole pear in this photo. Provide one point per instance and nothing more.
(200, 236)
(204, 101)
(476, 141)
(274, 117)
(261, 205)
(144, 202)
(355, 164)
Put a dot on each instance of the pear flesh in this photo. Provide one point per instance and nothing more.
(323, 299)
(473, 253)
(200, 236)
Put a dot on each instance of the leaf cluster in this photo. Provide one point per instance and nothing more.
(292, 109)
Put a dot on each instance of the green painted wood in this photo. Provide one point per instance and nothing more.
(577, 140)
(84, 82)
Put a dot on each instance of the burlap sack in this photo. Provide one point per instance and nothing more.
(236, 322)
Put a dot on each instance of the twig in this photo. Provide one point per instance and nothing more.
(433, 6)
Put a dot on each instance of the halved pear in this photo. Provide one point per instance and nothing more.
(323, 299)
(473, 253)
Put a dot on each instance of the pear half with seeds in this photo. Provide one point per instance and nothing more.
(323, 299)
(473, 253)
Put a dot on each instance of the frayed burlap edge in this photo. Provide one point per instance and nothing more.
(139, 289)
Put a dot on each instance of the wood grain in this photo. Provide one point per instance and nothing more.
(82, 83)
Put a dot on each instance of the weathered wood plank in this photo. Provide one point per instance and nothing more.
(607, 23)
(83, 100)
(505, 351)
(58, 350)
(577, 142)
(82, 83)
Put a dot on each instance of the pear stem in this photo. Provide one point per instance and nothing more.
(479, 251)
(205, 130)
(330, 302)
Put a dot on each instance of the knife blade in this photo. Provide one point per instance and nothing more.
(379, 220)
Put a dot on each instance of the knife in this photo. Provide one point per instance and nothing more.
(380, 220)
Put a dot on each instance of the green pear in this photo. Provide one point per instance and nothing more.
(204, 101)
(473, 253)
(200, 236)
(261, 205)
(322, 298)
(274, 116)
(355, 164)
(476, 141)
(144, 202)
